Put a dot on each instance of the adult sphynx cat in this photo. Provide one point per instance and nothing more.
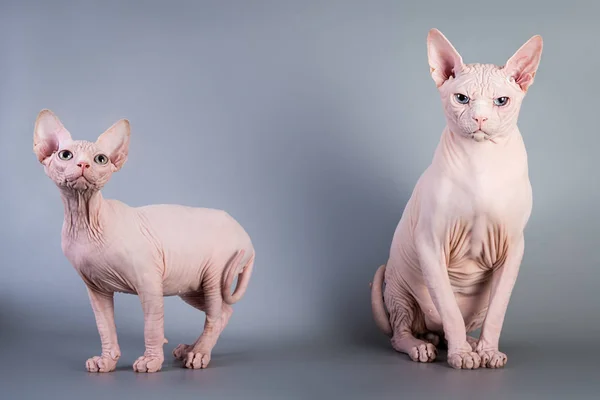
(151, 251)
(457, 249)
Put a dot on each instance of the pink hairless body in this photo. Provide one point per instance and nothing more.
(457, 250)
(151, 251)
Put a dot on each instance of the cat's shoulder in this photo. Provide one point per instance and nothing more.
(116, 204)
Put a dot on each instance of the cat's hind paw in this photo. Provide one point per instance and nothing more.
(198, 360)
(424, 353)
(181, 351)
(431, 337)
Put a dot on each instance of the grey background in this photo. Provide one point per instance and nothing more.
(310, 122)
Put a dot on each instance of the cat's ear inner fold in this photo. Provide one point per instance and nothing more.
(115, 142)
(49, 135)
(444, 60)
(523, 65)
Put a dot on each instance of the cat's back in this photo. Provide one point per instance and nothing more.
(173, 220)
(175, 215)
(156, 210)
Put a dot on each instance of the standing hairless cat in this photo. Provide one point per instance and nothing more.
(151, 251)
(457, 249)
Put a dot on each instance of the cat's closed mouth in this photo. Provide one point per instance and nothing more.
(79, 178)
(80, 182)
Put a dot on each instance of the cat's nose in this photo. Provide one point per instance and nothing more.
(83, 164)
(480, 120)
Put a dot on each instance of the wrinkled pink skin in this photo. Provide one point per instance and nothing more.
(458, 247)
(151, 251)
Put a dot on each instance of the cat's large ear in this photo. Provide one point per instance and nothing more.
(48, 135)
(115, 141)
(524, 63)
(444, 60)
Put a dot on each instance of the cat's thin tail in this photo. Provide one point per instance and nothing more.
(379, 314)
(233, 269)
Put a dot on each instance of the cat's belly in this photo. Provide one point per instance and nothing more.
(196, 245)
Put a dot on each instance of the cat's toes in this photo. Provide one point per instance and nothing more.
(425, 352)
(101, 364)
(492, 358)
(181, 351)
(197, 360)
(148, 364)
(464, 360)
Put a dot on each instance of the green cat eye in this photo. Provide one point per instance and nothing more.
(65, 155)
(101, 159)
(501, 101)
(461, 98)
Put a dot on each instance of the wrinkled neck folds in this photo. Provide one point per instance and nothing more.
(83, 212)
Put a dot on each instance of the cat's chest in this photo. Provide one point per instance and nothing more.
(502, 194)
(481, 239)
(482, 222)
(102, 266)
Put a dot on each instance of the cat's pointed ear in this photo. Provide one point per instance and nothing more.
(444, 60)
(521, 67)
(115, 142)
(48, 135)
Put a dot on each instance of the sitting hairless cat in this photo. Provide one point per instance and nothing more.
(457, 249)
(152, 251)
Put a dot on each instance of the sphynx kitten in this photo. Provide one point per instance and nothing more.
(457, 249)
(151, 251)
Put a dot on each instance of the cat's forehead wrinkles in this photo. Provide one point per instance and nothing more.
(83, 145)
(481, 69)
(481, 79)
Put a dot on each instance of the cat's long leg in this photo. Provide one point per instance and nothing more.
(503, 282)
(217, 316)
(431, 260)
(103, 306)
(152, 301)
(197, 301)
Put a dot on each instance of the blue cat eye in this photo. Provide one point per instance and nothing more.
(501, 101)
(461, 98)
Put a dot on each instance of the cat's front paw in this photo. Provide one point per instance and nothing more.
(148, 363)
(492, 358)
(464, 360)
(103, 363)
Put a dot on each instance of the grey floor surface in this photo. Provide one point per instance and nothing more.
(52, 366)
